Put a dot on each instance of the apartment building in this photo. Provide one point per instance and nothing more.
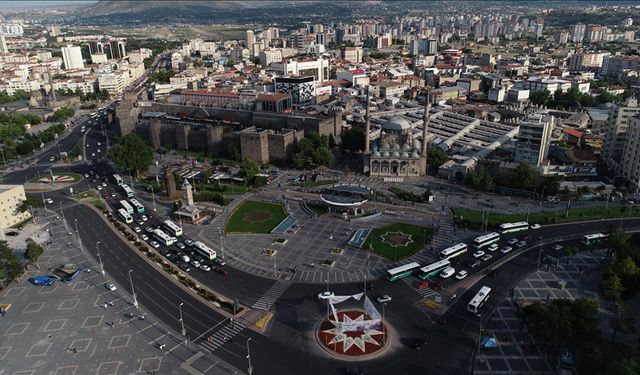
(534, 137)
(615, 136)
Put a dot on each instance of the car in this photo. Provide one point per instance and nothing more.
(180, 245)
(512, 241)
(185, 267)
(185, 259)
(220, 261)
(487, 257)
(144, 237)
(493, 247)
(475, 264)
(99, 188)
(140, 222)
(384, 299)
(221, 271)
(86, 175)
(144, 218)
(506, 249)
(448, 272)
(105, 195)
(205, 268)
(98, 150)
(149, 229)
(110, 287)
(325, 295)
(104, 184)
(521, 244)
(535, 226)
(188, 242)
(166, 252)
(93, 154)
(49, 200)
(478, 254)
(53, 158)
(195, 263)
(419, 344)
(154, 244)
(422, 284)
(557, 247)
(99, 144)
(137, 229)
(461, 274)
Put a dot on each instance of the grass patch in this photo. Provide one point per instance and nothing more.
(315, 183)
(473, 219)
(397, 241)
(87, 194)
(255, 217)
(99, 204)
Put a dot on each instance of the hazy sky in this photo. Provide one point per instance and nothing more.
(41, 3)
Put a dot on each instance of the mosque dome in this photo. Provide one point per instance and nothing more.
(385, 154)
(405, 155)
(396, 124)
(396, 154)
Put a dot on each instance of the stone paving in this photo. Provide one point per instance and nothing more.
(515, 354)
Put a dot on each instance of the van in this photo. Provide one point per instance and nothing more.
(447, 272)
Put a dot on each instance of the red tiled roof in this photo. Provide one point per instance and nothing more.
(272, 96)
(573, 132)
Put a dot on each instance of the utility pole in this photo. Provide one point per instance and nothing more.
(250, 369)
(133, 291)
(99, 258)
(183, 331)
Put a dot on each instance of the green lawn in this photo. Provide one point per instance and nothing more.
(255, 217)
(472, 218)
(418, 237)
(88, 194)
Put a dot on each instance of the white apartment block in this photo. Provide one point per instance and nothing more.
(549, 84)
(534, 136)
(114, 82)
(87, 85)
(72, 56)
(12, 84)
(99, 58)
(614, 141)
(318, 68)
(630, 162)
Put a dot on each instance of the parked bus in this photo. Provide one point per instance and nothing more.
(403, 271)
(513, 227)
(126, 206)
(433, 268)
(139, 208)
(118, 180)
(126, 190)
(453, 251)
(486, 240)
(173, 228)
(593, 238)
(479, 299)
(162, 237)
(124, 215)
(204, 250)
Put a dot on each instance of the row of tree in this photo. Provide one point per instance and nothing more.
(621, 275)
(100, 95)
(573, 98)
(17, 95)
(523, 176)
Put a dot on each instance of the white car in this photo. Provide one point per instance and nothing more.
(144, 218)
(195, 263)
(49, 201)
(110, 287)
(205, 268)
(154, 244)
(137, 229)
(535, 226)
(384, 299)
(521, 244)
(325, 295)
(506, 249)
(86, 175)
(461, 275)
(98, 150)
(493, 247)
(447, 272)
(99, 144)
(93, 154)
(185, 259)
(557, 247)
(98, 187)
(512, 241)
(478, 254)
(104, 184)
(144, 237)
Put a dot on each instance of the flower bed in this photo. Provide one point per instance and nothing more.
(269, 252)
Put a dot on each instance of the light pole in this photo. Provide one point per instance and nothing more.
(153, 198)
(275, 272)
(184, 331)
(133, 291)
(222, 245)
(99, 258)
(250, 369)
(75, 222)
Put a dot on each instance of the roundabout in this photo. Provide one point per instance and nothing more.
(353, 336)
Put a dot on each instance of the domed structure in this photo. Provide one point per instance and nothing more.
(396, 124)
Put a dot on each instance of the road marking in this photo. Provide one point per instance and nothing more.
(155, 340)
(145, 328)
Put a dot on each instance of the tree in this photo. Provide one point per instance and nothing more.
(551, 185)
(33, 251)
(132, 154)
(10, 266)
(249, 169)
(611, 288)
(435, 158)
(352, 139)
(542, 97)
(313, 150)
(63, 113)
(523, 175)
(479, 179)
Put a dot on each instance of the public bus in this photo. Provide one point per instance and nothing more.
(479, 299)
(204, 250)
(118, 180)
(126, 206)
(173, 228)
(126, 190)
(433, 268)
(124, 215)
(403, 271)
(162, 237)
(486, 240)
(593, 238)
(139, 208)
(513, 227)
(454, 251)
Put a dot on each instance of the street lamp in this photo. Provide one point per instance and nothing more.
(153, 198)
(250, 369)
(99, 258)
(133, 291)
(75, 222)
(184, 331)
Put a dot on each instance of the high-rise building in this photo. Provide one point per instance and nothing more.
(423, 47)
(533, 139)
(320, 39)
(614, 140)
(630, 162)
(3, 44)
(72, 57)
(117, 49)
(353, 54)
(594, 33)
(562, 37)
(577, 32)
(250, 40)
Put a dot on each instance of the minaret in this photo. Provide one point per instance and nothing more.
(425, 126)
(367, 126)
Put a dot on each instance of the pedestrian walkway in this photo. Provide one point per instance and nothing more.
(223, 335)
(424, 293)
(266, 301)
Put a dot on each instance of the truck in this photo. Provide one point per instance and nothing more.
(42, 280)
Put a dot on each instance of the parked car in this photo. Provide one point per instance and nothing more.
(144, 218)
(221, 271)
(154, 244)
(535, 226)
(149, 229)
(195, 263)
(110, 287)
(512, 241)
(493, 247)
(384, 299)
(506, 249)
(144, 237)
(185, 267)
(478, 254)
(325, 295)
(557, 247)
(448, 272)
(137, 229)
(521, 244)
(475, 264)
(180, 245)
(487, 257)
(185, 259)
(188, 242)
(461, 274)
(220, 261)
(49, 200)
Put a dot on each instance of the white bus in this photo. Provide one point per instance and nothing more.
(173, 228)
(433, 268)
(402, 271)
(126, 206)
(162, 237)
(117, 179)
(593, 238)
(126, 190)
(486, 240)
(139, 208)
(454, 251)
(513, 227)
(124, 215)
(479, 299)
(204, 250)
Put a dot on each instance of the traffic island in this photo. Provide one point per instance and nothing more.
(354, 336)
(52, 182)
(255, 217)
(398, 240)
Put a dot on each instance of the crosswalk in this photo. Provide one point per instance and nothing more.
(413, 281)
(271, 295)
(223, 335)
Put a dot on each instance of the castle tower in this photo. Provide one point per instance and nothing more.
(186, 186)
(367, 126)
(170, 182)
